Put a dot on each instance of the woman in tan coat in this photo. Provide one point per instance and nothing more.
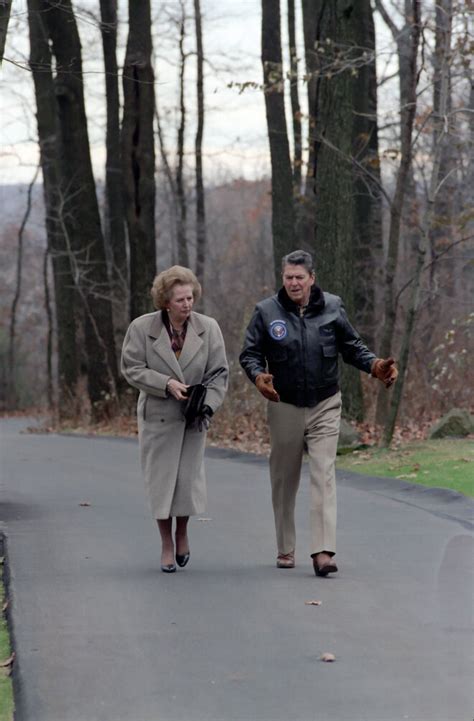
(164, 353)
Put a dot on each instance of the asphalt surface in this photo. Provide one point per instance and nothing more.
(102, 635)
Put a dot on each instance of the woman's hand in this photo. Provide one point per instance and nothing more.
(177, 389)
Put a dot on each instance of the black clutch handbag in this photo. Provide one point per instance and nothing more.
(194, 403)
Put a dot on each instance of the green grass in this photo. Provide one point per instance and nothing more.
(6, 689)
(446, 463)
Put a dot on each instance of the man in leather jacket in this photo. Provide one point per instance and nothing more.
(291, 352)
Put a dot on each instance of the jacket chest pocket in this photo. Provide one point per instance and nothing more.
(327, 335)
(329, 352)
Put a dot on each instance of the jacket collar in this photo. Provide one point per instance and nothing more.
(315, 306)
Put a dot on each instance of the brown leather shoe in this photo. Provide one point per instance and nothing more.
(323, 564)
(286, 560)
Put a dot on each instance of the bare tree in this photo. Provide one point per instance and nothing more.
(439, 131)
(295, 103)
(402, 37)
(138, 156)
(49, 333)
(283, 219)
(408, 112)
(367, 233)
(114, 221)
(172, 194)
(200, 200)
(11, 385)
(306, 204)
(183, 253)
(48, 132)
(80, 211)
(333, 113)
(5, 9)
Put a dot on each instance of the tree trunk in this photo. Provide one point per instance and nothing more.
(183, 254)
(114, 222)
(283, 222)
(49, 333)
(408, 112)
(367, 234)
(173, 203)
(11, 384)
(438, 137)
(64, 293)
(307, 209)
(80, 212)
(447, 208)
(200, 201)
(5, 9)
(138, 156)
(295, 103)
(333, 247)
(410, 210)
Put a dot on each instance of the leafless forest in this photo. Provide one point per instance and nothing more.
(145, 137)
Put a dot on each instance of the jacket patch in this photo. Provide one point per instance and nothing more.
(278, 329)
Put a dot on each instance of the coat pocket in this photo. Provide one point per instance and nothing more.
(162, 410)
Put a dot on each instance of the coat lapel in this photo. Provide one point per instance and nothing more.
(162, 346)
(192, 342)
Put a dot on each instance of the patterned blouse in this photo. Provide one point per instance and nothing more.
(177, 337)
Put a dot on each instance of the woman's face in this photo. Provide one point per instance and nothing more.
(181, 302)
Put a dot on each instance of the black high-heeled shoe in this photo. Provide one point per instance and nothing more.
(168, 568)
(182, 560)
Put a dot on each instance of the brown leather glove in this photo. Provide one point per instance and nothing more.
(384, 369)
(264, 383)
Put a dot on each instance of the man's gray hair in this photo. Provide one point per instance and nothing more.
(298, 257)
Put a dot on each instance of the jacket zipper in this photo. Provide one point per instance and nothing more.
(303, 344)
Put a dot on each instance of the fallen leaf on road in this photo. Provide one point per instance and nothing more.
(8, 661)
(5, 606)
(85, 504)
(204, 519)
(312, 603)
(328, 657)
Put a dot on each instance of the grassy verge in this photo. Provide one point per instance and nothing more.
(6, 688)
(446, 463)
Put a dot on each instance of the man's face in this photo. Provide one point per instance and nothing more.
(297, 281)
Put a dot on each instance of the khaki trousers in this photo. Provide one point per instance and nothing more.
(291, 428)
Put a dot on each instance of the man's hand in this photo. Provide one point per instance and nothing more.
(264, 383)
(385, 371)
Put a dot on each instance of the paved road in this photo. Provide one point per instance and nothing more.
(102, 635)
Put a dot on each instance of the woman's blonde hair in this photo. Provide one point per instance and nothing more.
(165, 281)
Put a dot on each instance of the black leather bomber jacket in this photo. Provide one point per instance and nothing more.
(301, 352)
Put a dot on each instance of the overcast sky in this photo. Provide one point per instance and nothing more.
(235, 140)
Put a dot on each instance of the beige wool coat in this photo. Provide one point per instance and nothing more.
(172, 456)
